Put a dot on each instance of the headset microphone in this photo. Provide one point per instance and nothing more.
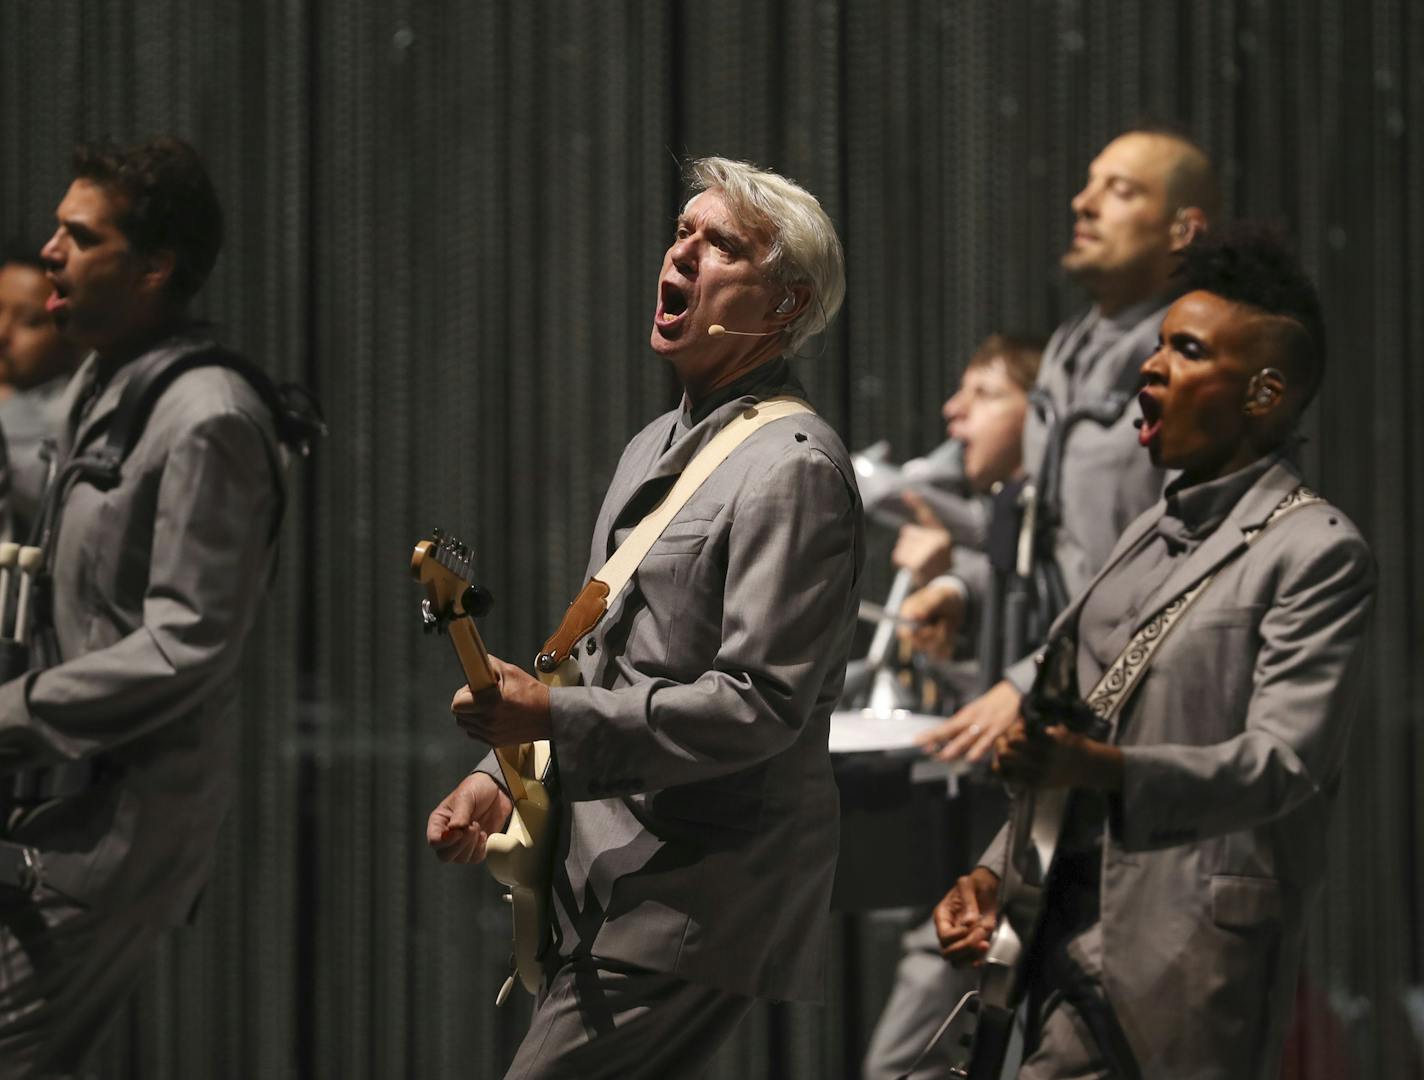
(717, 330)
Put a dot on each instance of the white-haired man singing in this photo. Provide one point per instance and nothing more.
(698, 824)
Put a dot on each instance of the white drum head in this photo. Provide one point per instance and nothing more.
(863, 731)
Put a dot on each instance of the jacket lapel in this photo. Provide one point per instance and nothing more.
(1067, 621)
(656, 466)
(633, 472)
(1055, 364)
(1250, 511)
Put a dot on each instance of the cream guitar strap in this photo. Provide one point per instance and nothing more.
(619, 568)
(598, 595)
(1123, 675)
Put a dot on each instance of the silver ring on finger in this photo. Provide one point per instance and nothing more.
(974, 729)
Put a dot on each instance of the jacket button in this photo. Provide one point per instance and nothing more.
(592, 647)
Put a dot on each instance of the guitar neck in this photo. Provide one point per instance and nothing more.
(474, 660)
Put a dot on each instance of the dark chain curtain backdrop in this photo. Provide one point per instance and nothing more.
(447, 215)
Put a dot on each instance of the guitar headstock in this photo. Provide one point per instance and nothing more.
(1053, 698)
(443, 565)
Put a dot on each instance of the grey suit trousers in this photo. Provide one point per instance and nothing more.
(64, 973)
(926, 989)
(602, 1019)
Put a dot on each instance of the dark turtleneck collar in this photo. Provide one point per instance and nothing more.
(774, 372)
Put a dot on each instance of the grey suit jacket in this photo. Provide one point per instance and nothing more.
(1233, 745)
(1107, 478)
(157, 581)
(700, 816)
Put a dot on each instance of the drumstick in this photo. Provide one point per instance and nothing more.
(9, 557)
(872, 612)
(31, 559)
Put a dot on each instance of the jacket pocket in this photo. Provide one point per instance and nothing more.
(1241, 903)
(685, 544)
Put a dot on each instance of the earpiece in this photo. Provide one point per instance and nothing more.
(1265, 386)
(787, 306)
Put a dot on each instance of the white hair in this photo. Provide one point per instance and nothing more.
(805, 249)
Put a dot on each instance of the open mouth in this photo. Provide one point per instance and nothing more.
(58, 298)
(672, 304)
(1151, 423)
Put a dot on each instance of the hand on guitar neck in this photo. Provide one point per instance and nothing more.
(1055, 758)
(515, 710)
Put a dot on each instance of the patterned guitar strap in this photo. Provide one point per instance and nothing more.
(1123, 675)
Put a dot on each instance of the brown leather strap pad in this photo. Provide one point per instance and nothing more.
(581, 617)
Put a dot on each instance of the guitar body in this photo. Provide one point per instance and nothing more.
(522, 856)
(521, 859)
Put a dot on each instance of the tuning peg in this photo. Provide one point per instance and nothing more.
(429, 621)
(477, 600)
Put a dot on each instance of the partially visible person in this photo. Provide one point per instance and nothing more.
(986, 417)
(1191, 854)
(36, 362)
(1148, 194)
(117, 748)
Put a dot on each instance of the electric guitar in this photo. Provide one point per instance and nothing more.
(1035, 830)
(521, 856)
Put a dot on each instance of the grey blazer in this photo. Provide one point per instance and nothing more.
(1233, 745)
(1107, 479)
(157, 581)
(699, 826)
